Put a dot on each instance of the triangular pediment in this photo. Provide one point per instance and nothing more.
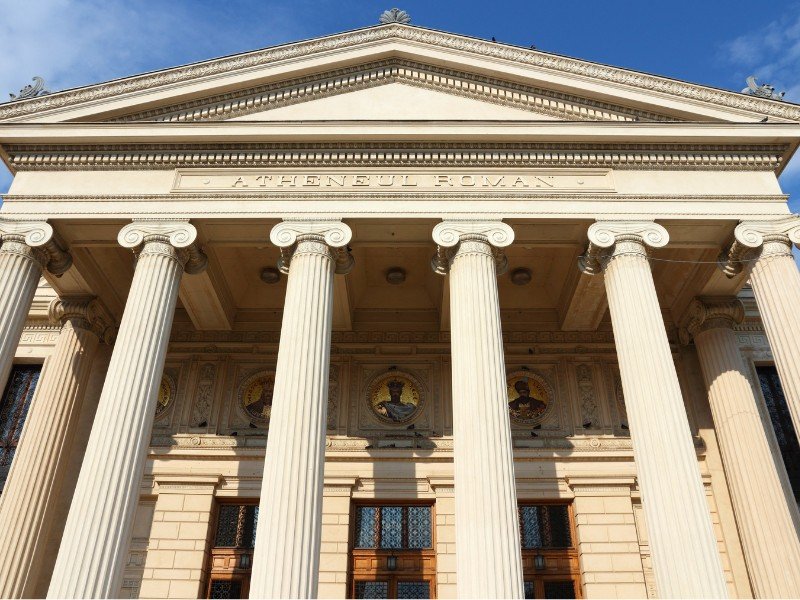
(452, 76)
(395, 90)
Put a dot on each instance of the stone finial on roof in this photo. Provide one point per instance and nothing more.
(31, 91)
(394, 15)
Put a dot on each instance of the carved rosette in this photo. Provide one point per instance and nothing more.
(176, 239)
(609, 239)
(84, 312)
(706, 313)
(458, 238)
(36, 241)
(320, 237)
(756, 239)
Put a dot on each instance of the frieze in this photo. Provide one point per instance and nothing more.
(616, 156)
(521, 56)
(290, 181)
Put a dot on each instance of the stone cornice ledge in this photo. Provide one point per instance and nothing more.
(579, 68)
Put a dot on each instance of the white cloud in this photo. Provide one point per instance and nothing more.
(771, 53)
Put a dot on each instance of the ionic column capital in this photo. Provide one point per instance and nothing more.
(328, 237)
(609, 239)
(706, 313)
(175, 238)
(35, 240)
(84, 312)
(754, 239)
(456, 237)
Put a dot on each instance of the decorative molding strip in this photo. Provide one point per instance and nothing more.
(617, 156)
(535, 58)
(392, 337)
(321, 85)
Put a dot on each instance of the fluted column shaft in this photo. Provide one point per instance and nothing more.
(766, 525)
(685, 558)
(776, 284)
(20, 269)
(91, 558)
(286, 556)
(28, 503)
(488, 553)
(26, 249)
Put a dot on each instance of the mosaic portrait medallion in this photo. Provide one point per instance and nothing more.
(395, 397)
(166, 392)
(529, 397)
(256, 396)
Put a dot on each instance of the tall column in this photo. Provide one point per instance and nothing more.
(686, 561)
(488, 554)
(765, 519)
(96, 535)
(286, 555)
(766, 248)
(26, 249)
(29, 500)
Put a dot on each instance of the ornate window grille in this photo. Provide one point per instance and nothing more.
(782, 424)
(13, 411)
(231, 556)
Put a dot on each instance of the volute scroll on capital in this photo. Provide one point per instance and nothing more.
(706, 313)
(757, 238)
(333, 235)
(39, 237)
(606, 239)
(89, 312)
(450, 235)
(180, 234)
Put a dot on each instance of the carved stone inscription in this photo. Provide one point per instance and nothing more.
(301, 180)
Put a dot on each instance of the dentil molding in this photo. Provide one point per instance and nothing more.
(603, 235)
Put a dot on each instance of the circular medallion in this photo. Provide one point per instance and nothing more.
(395, 397)
(256, 396)
(166, 392)
(529, 397)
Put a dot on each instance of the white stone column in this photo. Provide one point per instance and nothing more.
(29, 500)
(286, 555)
(26, 249)
(765, 247)
(686, 561)
(91, 558)
(488, 554)
(765, 519)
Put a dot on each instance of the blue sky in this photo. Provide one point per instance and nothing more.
(78, 42)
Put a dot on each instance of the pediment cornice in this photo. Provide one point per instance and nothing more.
(537, 100)
(587, 71)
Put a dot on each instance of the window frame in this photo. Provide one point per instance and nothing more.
(555, 558)
(231, 554)
(426, 557)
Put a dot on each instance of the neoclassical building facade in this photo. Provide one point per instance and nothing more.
(398, 313)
